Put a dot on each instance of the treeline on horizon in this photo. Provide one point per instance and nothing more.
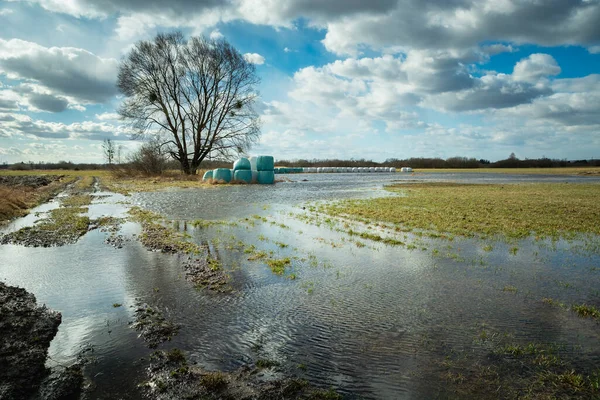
(452, 162)
(415, 162)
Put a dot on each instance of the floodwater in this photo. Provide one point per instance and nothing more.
(368, 319)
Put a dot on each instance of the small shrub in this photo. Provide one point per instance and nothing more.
(262, 363)
(213, 380)
(176, 355)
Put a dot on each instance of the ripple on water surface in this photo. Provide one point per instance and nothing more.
(372, 321)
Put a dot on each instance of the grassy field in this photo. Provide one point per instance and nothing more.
(511, 210)
(514, 210)
(98, 173)
(526, 171)
(175, 179)
(125, 184)
(15, 201)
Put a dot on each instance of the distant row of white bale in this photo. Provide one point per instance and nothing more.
(297, 170)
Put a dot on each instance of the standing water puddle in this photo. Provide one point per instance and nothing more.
(370, 320)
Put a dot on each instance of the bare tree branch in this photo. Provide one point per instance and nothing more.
(200, 92)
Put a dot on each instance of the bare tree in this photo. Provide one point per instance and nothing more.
(109, 149)
(119, 152)
(149, 159)
(200, 92)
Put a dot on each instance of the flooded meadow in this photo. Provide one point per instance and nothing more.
(361, 307)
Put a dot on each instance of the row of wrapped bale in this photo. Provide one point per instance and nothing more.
(290, 170)
(254, 170)
(264, 167)
(350, 169)
(297, 170)
(242, 170)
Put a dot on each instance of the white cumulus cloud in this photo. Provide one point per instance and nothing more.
(254, 58)
(536, 66)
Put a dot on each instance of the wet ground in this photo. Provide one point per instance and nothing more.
(368, 319)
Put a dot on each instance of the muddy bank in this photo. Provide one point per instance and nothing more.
(62, 384)
(207, 273)
(200, 268)
(26, 331)
(60, 226)
(63, 226)
(32, 181)
(170, 376)
(153, 326)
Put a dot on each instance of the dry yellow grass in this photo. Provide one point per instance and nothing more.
(72, 173)
(124, 184)
(148, 184)
(15, 201)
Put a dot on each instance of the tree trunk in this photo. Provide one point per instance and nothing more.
(185, 167)
(194, 166)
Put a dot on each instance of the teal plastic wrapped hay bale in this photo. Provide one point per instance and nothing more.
(207, 175)
(243, 175)
(222, 174)
(265, 163)
(241, 164)
(266, 177)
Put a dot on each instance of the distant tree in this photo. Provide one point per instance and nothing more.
(109, 148)
(119, 153)
(200, 92)
(512, 156)
(20, 167)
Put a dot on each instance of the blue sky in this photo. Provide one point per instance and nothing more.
(340, 78)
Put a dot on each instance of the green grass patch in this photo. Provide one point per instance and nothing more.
(524, 371)
(80, 200)
(328, 394)
(586, 311)
(263, 364)
(156, 236)
(258, 255)
(64, 225)
(214, 380)
(204, 223)
(510, 289)
(520, 171)
(214, 264)
(511, 210)
(278, 265)
(84, 183)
